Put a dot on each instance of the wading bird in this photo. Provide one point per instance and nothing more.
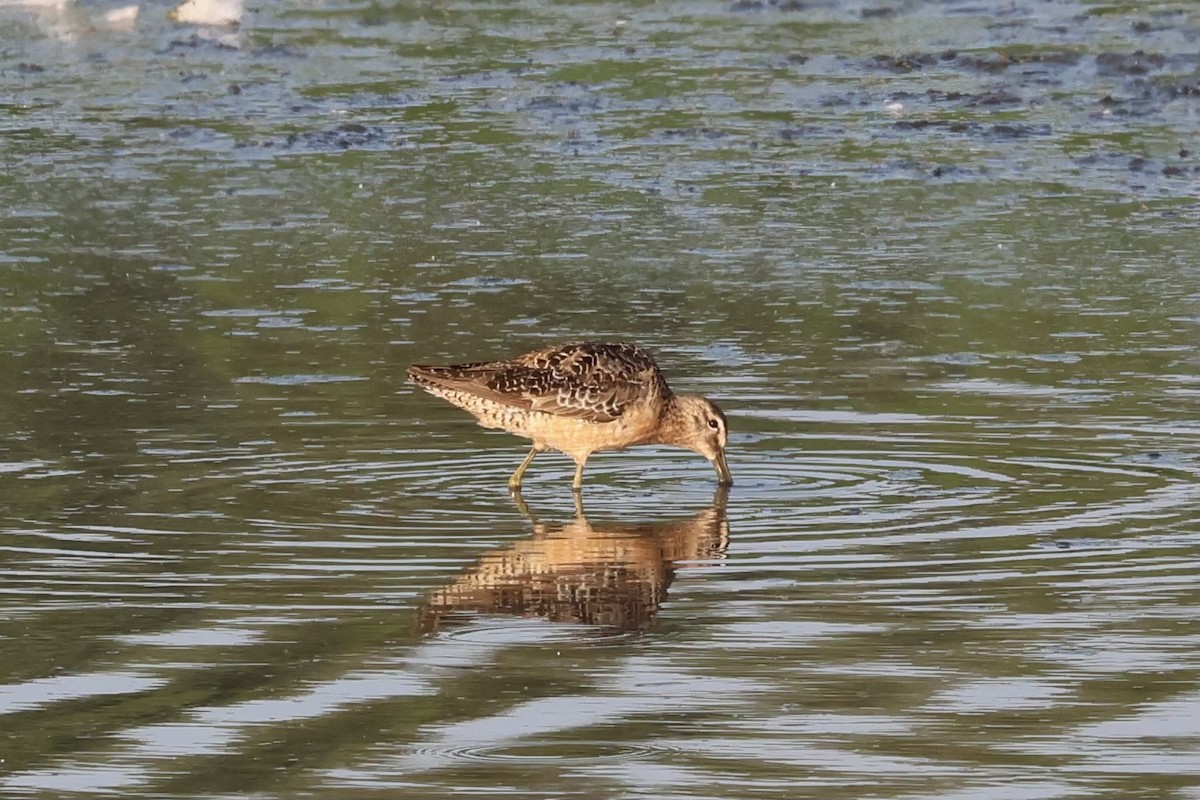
(580, 398)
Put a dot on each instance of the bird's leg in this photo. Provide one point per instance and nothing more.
(577, 484)
(514, 483)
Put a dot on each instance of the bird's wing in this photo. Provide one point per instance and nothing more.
(595, 382)
(588, 381)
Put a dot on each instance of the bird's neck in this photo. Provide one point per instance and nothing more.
(670, 428)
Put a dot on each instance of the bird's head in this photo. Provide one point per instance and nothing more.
(700, 426)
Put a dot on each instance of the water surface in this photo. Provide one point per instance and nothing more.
(936, 261)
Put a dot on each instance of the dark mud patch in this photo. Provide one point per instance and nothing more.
(990, 63)
(1106, 64)
(800, 133)
(1137, 164)
(347, 136)
(1148, 96)
(693, 133)
(1105, 86)
(1126, 64)
(792, 6)
(915, 169)
(197, 42)
(1002, 130)
(966, 99)
(563, 105)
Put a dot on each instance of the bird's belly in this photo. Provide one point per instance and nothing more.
(577, 437)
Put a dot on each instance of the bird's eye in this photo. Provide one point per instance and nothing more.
(712, 423)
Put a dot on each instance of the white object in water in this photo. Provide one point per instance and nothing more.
(209, 12)
(66, 21)
(121, 19)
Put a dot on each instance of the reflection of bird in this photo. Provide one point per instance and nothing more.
(217, 13)
(580, 398)
(612, 575)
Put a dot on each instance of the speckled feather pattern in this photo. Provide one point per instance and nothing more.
(581, 398)
(592, 382)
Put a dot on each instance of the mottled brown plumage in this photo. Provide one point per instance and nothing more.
(579, 398)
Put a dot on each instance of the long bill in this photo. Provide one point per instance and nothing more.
(723, 476)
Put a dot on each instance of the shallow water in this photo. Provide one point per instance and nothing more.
(937, 262)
